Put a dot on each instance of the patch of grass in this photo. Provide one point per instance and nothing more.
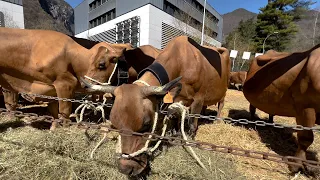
(265, 139)
(29, 153)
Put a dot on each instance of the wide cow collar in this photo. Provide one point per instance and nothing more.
(158, 71)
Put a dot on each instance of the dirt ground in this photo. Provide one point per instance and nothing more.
(31, 152)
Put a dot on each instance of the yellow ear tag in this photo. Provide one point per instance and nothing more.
(168, 98)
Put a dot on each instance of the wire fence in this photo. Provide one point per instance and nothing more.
(290, 160)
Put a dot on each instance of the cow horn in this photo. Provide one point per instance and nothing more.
(161, 90)
(94, 88)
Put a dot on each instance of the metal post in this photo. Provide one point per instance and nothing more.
(203, 21)
(266, 39)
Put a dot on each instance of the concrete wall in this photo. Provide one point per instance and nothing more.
(13, 14)
(151, 19)
(81, 17)
(157, 17)
(144, 25)
(124, 6)
(103, 8)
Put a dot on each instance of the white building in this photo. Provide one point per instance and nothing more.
(11, 14)
(142, 22)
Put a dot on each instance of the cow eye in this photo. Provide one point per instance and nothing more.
(146, 125)
(115, 60)
(102, 65)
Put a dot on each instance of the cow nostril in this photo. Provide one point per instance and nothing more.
(126, 169)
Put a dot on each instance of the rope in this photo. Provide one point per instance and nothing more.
(109, 80)
(142, 82)
(95, 109)
(183, 116)
(145, 148)
(98, 145)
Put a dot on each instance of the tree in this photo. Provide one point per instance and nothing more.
(242, 39)
(279, 16)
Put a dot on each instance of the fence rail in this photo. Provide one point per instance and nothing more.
(290, 160)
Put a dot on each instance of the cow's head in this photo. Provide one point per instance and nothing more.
(133, 110)
(103, 60)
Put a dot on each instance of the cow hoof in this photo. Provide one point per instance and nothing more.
(53, 126)
(66, 123)
(192, 131)
(295, 169)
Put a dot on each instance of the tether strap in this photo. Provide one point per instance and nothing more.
(158, 71)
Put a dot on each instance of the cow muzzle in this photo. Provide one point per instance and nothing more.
(134, 166)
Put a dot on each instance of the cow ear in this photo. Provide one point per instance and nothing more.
(100, 52)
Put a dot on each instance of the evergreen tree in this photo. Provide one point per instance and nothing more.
(278, 16)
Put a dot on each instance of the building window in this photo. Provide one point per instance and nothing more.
(179, 14)
(128, 31)
(95, 4)
(108, 16)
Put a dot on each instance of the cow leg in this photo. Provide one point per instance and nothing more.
(252, 112)
(195, 108)
(53, 108)
(306, 118)
(318, 118)
(220, 106)
(271, 118)
(10, 100)
(64, 90)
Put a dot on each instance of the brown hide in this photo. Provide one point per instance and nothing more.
(237, 78)
(287, 84)
(50, 63)
(205, 75)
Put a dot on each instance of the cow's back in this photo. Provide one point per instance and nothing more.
(204, 70)
(269, 86)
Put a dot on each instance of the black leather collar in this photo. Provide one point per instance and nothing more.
(158, 71)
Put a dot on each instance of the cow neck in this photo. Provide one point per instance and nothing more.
(158, 71)
(148, 78)
(81, 61)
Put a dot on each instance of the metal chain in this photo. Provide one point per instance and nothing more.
(62, 99)
(256, 123)
(175, 141)
(210, 118)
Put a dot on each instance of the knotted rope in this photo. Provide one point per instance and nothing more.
(88, 105)
(184, 112)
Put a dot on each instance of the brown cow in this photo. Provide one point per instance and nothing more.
(237, 79)
(50, 63)
(287, 84)
(204, 72)
(136, 60)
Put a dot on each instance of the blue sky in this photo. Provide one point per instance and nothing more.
(223, 6)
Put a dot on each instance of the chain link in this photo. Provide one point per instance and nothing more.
(61, 99)
(175, 141)
(256, 123)
(210, 118)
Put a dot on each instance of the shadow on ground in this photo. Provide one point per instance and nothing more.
(281, 141)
